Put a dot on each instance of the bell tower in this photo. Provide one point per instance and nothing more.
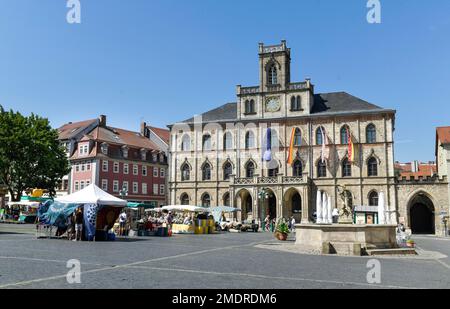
(274, 67)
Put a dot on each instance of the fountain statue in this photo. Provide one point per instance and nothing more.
(346, 212)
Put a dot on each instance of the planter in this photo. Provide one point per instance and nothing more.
(281, 236)
(410, 245)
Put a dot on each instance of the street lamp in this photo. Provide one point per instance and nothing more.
(263, 195)
(123, 192)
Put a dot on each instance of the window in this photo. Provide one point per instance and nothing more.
(115, 186)
(226, 200)
(321, 169)
(162, 173)
(297, 169)
(250, 107)
(371, 134)
(206, 142)
(105, 166)
(84, 150)
(273, 172)
(88, 166)
(143, 154)
(104, 148)
(373, 198)
(105, 184)
(144, 188)
(125, 186)
(185, 172)
(227, 171)
(83, 167)
(77, 167)
(206, 200)
(297, 137)
(81, 185)
(116, 167)
(296, 103)
(273, 78)
(186, 143)
(345, 132)
(155, 157)
(250, 170)
(206, 172)
(372, 167)
(135, 187)
(155, 189)
(135, 169)
(227, 141)
(155, 172)
(346, 168)
(77, 186)
(249, 140)
(88, 182)
(184, 199)
(161, 158)
(126, 168)
(162, 189)
(125, 152)
(319, 135)
(144, 170)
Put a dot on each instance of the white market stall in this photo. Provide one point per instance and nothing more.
(191, 219)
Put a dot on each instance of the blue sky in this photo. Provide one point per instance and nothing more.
(165, 60)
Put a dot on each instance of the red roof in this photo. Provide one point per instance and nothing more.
(425, 170)
(443, 134)
(163, 134)
(70, 129)
(122, 137)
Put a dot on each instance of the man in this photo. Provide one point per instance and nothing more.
(292, 224)
(122, 223)
(78, 224)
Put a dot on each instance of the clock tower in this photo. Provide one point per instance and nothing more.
(274, 67)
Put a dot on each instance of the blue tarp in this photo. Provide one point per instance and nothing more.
(55, 213)
(217, 211)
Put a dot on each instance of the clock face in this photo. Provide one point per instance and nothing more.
(273, 105)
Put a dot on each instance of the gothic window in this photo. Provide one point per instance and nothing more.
(373, 198)
(206, 200)
(206, 172)
(249, 140)
(185, 172)
(273, 77)
(296, 103)
(273, 172)
(371, 134)
(186, 143)
(250, 170)
(227, 141)
(319, 136)
(297, 169)
(346, 168)
(372, 167)
(344, 135)
(184, 199)
(227, 171)
(321, 169)
(226, 199)
(297, 137)
(206, 142)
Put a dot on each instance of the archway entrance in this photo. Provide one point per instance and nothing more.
(421, 215)
(244, 200)
(293, 204)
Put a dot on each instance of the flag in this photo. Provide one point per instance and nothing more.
(290, 159)
(351, 147)
(268, 151)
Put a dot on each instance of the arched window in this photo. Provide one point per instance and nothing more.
(346, 168)
(344, 135)
(186, 143)
(226, 199)
(185, 172)
(297, 137)
(250, 170)
(373, 198)
(250, 107)
(227, 171)
(249, 140)
(296, 203)
(321, 169)
(206, 172)
(297, 169)
(206, 200)
(206, 142)
(184, 199)
(273, 172)
(227, 141)
(296, 103)
(273, 77)
(319, 136)
(371, 134)
(372, 167)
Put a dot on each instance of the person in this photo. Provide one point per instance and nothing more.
(78, 224)
(122, 223)
(292, 223)
(266, 223)
(70, 227)
(272, 225)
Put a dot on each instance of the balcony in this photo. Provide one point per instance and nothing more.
(298, 86)
(279, 180)
(249, 90)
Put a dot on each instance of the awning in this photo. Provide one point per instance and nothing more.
(141, 205)
(185, 208)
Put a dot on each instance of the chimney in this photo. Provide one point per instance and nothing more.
(102, 120)
(144, 128)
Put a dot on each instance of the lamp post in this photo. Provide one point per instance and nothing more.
(123, 193)
(263, 195)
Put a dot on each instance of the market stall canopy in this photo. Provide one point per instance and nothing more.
(226, 209)
(153, 210)
(187, 208)
(138, 205)
(92, 195)
(25, 203)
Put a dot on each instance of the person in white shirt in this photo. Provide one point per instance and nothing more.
(122, 223)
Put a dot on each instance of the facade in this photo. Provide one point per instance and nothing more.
(217, 158)
(123, 163)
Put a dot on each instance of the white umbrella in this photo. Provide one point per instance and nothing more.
(187, 208)
(324, 207)
(381, 209)
(329, 211)
(319, 207)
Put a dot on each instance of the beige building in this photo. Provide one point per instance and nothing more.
(217, 158)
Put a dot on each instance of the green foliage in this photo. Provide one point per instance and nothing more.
(282, 227)
(30, 154)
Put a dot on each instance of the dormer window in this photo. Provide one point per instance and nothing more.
(143, 154)
(84, 149)
(125, 151)
(104, 148)
(273, 78)
(161, 158)
(155, 157)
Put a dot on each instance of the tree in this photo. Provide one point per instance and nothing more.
(30, 154)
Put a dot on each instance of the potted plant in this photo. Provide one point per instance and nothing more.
(410, 243)
(282, 231)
